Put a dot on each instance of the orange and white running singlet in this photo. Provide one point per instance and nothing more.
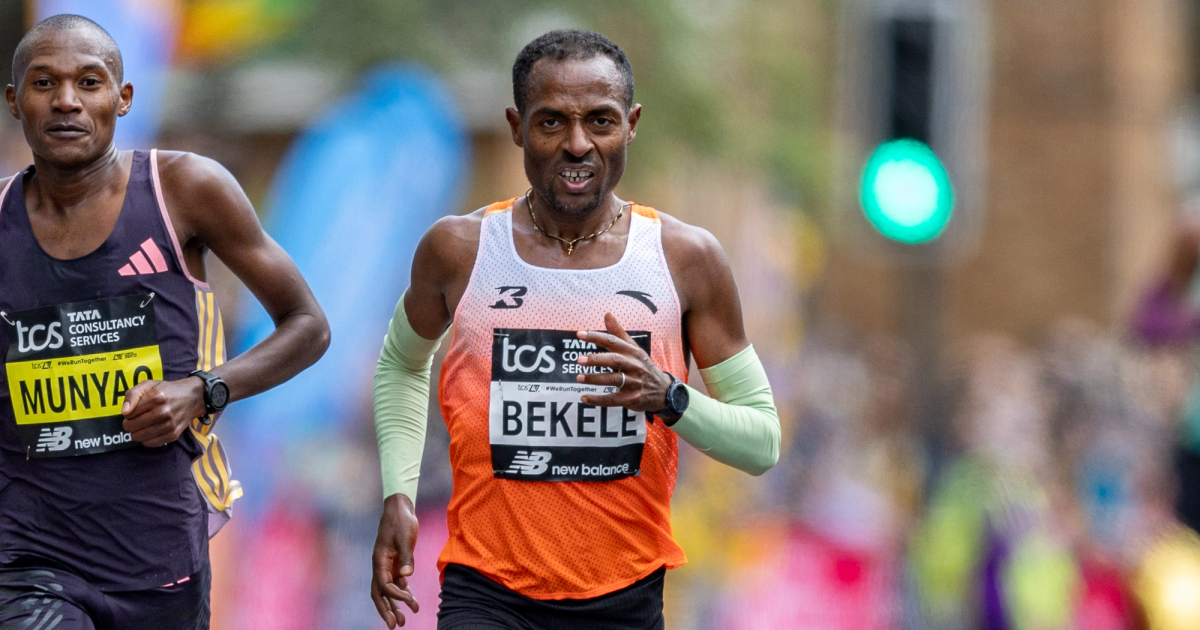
(552, 498)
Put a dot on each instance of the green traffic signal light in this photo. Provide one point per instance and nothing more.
(906, 193)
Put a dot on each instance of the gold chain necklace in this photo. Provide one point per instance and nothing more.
(570, 243)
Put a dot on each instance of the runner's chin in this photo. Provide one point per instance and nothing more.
(571, 203)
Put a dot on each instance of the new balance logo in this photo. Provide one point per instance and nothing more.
(510, 297)
(642, 297)
(54, 439)
(529, 463)
(140, 262)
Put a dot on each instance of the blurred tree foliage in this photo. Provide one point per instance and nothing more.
(743, 84)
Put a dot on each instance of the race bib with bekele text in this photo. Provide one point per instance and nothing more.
(538, 429)
(69, 367)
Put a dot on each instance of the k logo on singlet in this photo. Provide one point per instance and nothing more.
(510, 297)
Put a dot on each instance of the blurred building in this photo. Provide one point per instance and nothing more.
(1083, 99)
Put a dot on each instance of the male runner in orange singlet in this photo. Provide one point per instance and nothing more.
(574, 316)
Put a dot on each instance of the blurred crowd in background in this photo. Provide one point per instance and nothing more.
(990, 438)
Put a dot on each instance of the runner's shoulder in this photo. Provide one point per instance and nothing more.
(190, 176)
(452, 241)
(688, 246)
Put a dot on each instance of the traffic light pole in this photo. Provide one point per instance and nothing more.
(921, 322)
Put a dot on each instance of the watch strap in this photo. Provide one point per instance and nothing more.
(668, 414)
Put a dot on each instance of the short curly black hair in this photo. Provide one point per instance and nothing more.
(567, 44)
(66, 22)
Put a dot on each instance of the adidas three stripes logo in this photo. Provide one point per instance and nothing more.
(140, 262)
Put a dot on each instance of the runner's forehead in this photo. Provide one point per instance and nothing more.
(70, 51)
(591, 82)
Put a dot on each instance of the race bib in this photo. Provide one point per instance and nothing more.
(538, 429)
(69, 367)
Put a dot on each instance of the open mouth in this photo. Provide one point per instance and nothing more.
(576, 179)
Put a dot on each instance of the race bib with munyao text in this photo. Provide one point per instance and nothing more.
(538, 429)
(69, 366)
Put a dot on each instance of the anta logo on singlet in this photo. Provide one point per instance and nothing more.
(642, 297)
(510, 297)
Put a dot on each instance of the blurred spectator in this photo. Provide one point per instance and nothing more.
(1169, 316)
(991, 552)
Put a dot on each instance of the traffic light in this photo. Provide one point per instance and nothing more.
(905, 192)
(912, 78)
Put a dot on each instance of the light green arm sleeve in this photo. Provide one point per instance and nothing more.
(740, 426)
(402, 404)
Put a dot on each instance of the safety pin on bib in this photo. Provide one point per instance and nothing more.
(147, 301)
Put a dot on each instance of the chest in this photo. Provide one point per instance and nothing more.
(72, 226)
(507, 291)
(76, 232)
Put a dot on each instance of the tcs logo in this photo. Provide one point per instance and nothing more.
(542, 360)
(28, 338)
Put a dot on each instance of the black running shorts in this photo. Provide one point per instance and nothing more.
(1187, 499)
(38, 596)
(471, 601)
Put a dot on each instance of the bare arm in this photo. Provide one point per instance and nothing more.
(441, 269)
(712, 309)
(209, 211)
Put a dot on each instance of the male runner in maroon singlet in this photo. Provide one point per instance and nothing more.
(574, 315)
(110, 478)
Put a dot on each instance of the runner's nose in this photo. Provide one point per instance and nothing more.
(578, 143)
(66, 99)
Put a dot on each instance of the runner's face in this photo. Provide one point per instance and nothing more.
(575, 132)
(68, 101)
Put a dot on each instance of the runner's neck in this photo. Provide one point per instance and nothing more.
(569, 226)
(62, 191)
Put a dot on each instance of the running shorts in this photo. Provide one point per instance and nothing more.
(471, 601)
(37, 595)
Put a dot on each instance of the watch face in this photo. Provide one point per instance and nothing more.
(219, 394)
(679, 398)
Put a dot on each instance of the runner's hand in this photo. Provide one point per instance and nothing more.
(393, 560)
(645, 385)
(158, 412)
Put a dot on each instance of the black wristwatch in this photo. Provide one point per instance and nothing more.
(676, 403)
(216, 394)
